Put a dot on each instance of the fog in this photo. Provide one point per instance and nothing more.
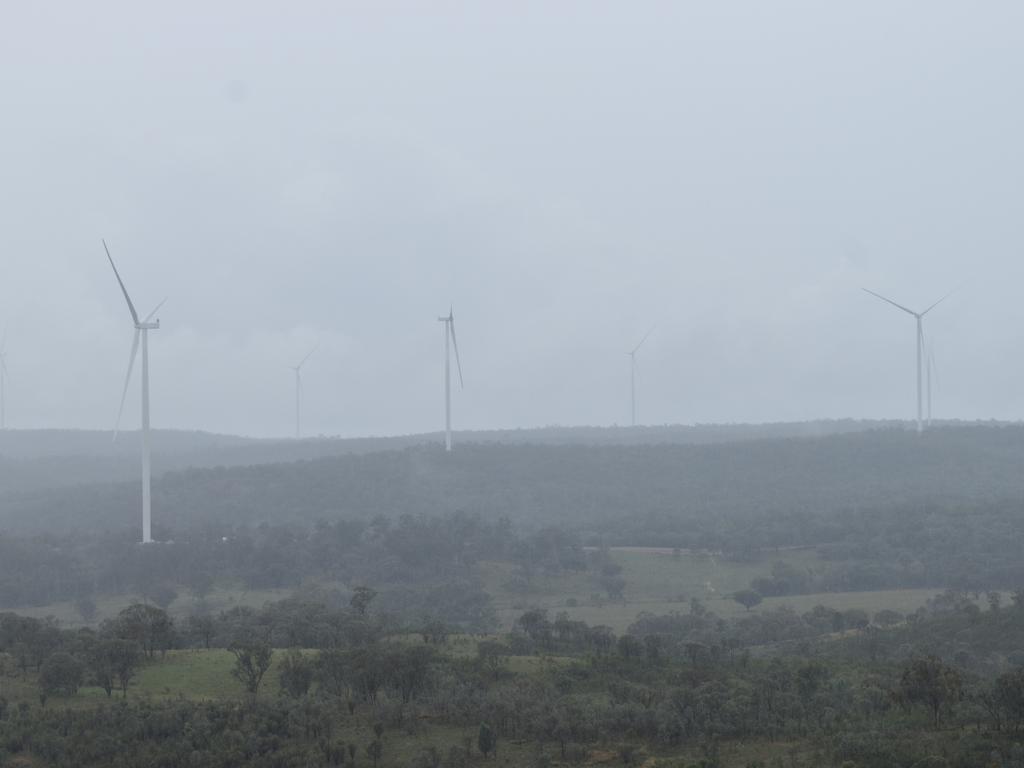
(566, 175)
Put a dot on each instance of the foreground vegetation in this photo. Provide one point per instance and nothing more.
(296, 684)
(770, 603)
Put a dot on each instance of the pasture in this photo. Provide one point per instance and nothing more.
(659, 582)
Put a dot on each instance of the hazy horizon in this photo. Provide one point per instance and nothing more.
(463, 434)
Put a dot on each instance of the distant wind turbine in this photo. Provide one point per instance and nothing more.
(142, 329)
(632, 375)
(919, 317)
(449, 342)
(3, 381)
(298, 392)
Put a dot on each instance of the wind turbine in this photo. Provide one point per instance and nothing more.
(449, 342)
(142, 329)
(298, 392)
(632, 374)
(919, 317)
(3, 381)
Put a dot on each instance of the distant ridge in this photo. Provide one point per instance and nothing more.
(758, 474)
(52, 458)
(44, 443)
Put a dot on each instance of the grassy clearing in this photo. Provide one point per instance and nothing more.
(658, 582)
(196, 675)
(651, 576)
(660, 576)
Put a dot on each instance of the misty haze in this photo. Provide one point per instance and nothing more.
(577, 385)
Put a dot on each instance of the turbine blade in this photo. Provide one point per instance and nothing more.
(131, 307)
(890, 301)
(637, 347)
(455, 343)
(933, 306)
(127, 381)
(155, 310)
(303, 362)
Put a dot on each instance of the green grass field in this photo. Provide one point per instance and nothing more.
(192, 674)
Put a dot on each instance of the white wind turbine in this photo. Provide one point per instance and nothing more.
(919, 317)
(298, 392)
(632, 375)
(142, 329)
(449, 342)
(3, 381)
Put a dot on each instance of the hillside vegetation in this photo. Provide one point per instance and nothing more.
(41, 459)
(795, 491)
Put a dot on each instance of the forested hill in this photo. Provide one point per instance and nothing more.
(40, 459)
(782, 492)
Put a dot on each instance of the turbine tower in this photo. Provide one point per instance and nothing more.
(449, 342)
(919, 317)
(142, 329)
(3, 381)
(930, 372)
(632, 375)
(298, 392)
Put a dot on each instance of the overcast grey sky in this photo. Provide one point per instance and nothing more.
(567, 174)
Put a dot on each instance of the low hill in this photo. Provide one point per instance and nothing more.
(39, 459)
(795, 491)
